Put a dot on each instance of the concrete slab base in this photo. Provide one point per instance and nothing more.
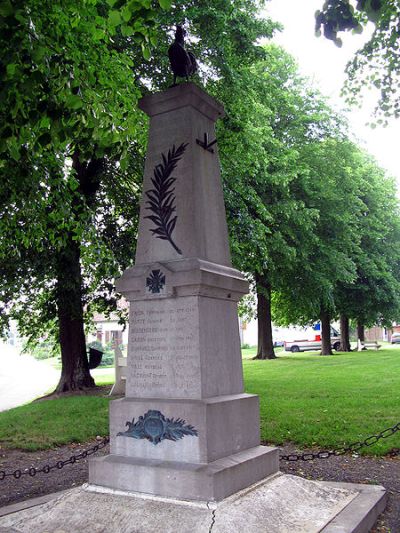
(279, 504)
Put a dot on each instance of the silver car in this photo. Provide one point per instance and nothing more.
(395, 338)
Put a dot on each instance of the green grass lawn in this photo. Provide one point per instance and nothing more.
(304, 398)
(328, 401)
(104, 378)
(50, 423)
(249, 353)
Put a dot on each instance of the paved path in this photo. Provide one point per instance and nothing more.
(23, 378)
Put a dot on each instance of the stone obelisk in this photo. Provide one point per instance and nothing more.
(185, 429)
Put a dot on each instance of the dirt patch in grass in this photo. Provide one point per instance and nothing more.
(370, 470)
(99, 390)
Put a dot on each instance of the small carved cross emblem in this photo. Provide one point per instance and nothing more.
(155, 282)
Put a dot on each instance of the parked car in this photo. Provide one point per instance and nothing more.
(395, 338)
(278, 343)
(306, 345)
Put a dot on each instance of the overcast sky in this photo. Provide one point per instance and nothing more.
(324, 63)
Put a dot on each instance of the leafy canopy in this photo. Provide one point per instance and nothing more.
(63, 79)
(377, 64)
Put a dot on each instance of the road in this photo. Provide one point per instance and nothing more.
(23, 378)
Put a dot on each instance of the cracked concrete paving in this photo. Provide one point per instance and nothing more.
(280, 504)
(213, 511)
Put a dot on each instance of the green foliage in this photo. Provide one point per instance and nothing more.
(223, 35)
(69, 103)
(351, 266)
(286, 167)
(337, 16)
(63, 77)
(76, 101)
(377, 63)
(268, 115)
(374, 295)
(43, 350)
(29, 266)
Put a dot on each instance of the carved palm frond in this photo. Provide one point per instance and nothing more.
(177, 429)
(161, 199)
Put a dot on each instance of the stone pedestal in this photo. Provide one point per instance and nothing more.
(185, 429)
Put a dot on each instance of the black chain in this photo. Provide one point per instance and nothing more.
(32, 471)
(354, 447)
(307, 456)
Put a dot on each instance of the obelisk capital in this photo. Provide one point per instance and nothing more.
(182, 95)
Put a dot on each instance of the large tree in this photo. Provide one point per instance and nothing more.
(331, 186)
(70, 128)
(65, 118)
(373, 297)
(260, 144)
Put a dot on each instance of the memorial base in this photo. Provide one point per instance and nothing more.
(218, 455)
(190, 481)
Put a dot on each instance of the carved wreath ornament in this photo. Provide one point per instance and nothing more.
(161, 199)
(154, 427)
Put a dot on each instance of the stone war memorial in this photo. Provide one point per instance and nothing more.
(185, 453)
(185, 417)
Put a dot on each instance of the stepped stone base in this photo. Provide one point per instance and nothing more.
(190, 481)
(222, 457)
(280, 504)
(225, 425)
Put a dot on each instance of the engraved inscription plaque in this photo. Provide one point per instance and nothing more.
(163, 357)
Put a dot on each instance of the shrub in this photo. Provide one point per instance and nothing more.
(43, 350)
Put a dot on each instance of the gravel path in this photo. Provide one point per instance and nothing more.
(383, 471)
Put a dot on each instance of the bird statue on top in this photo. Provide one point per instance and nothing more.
(183, 63)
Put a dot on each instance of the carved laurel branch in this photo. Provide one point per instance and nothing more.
(161, 199)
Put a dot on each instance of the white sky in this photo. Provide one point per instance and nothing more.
(324, 63)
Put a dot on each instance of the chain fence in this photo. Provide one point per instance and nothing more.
(351, 448)
(307, 456)
(47, 468)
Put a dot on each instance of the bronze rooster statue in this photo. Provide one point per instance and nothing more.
(183, 63)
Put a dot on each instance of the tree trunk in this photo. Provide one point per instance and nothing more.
(75, 372)
(344, 334)
(360, 331)
(265, 345)
(326, 332)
